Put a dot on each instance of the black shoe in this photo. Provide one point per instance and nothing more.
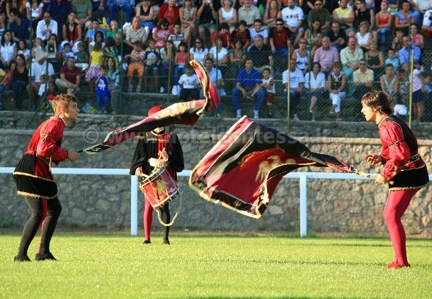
(167, 242)
(22, 259)
(146, 242)
(45, 257)
(269, 115)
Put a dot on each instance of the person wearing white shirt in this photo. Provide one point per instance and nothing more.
(295, 80)
(46, 27)
(315, 84)
(293, 17)
(37, 69)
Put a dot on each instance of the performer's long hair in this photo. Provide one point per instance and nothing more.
(378, 100)
(62, 101)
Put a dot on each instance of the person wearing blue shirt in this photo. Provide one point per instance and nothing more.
(59, 10)
(102, 91)
(19, 26)
(405, 52)
(247, 79)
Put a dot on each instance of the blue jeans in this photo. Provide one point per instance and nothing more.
(113, 7)
(382, 34)
(18, 88)
(294, 99)
(102, 101)
(237, 95)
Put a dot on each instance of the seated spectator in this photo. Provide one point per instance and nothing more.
(170, 12)
(19, 81)
(96, 60)
(126, 5)
(99, 38)
(145, 12)
(337, 37)
(189, 85)
(152, 65)
(273, 12)
(160, 33)
(19, 26)
(302, 56)
(363, 81)
(280, 39)
(313, 36)
(180, 61)
(219, 54)
(8, 50)
(293, 80)
(135, 33)
(404, 17)
(217, 80)
(84, 11)
(415, 37)
(224, 34)
(110, 50)
(176, 36)
(261, 54)
(5, 76)
(228, 15)
(344, 15)
(364, 14)
(420, 7)
(168, 67)
(407, 49)
(207, 21)
(375, 61)
(37, 69)
(427, 24)
(336, 85)
(137, 59)
(82, 57)
(392, 59)
(401, 110)
(315, 85)
(237, 60)
(70, 77)
(188, 14)
(383, 21)
(247, 80)
(90, 36)
(64, 54)
(326, 55)
(46, 27)
(389, 83)
(36, 13)
(397, 42)
(258, 29)
(242, 33)
(71, 32)
(268, 85)
(114, 29)
(365, 37)
(59, 10)
(350, 58)
(320, 14)
(248, 13)
(23, 49)
(198, 51)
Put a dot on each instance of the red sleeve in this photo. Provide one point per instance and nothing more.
(162, 11)
(398, 152)
(50, 136)
(213, 38)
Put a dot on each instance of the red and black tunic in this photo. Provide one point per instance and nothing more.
(403, 165)
(33, 175)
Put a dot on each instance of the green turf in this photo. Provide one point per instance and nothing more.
(215, 266)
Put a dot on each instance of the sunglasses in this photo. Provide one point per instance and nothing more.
(362, 63)
(279, 24)
(198, 42)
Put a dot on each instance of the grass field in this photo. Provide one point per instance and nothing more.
(97, 265)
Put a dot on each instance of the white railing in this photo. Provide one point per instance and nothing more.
(303, 176)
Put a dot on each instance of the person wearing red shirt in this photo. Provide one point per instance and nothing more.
(35, 181)
(404, 170)
(70, 77)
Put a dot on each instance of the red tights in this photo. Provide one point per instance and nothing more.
(148, 218)
(396, 205)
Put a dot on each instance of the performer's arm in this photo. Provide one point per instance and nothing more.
(399, 152)
(47, 147)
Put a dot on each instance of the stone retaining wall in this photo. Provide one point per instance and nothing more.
(352, 206)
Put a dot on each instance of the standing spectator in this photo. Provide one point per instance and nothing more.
(261, 54)
(315, 84)
(102, 91)
(20, 77)
(336, 85)
(189, 84)
(248, 13)
(280, 39)
(152, 65)
(125, 5)
(350, 58)
(418, 88)
(170, 12)
(268, 85)
(137, 59)
(96, 60)
(321, 14)
(293, 80)
(46, 27)
(37, 69)
(363, 81)
(344, 15)
(207, 21)
(293, 17)
(188, 14)
(247, 80)
(8, 50)
(338, 37)
(180, 61)
(384, 21)
(82, 57)
(135, 33)
(228, 15)
(114, 84)
(83, 10)
(19, 26)
(59, 10)
(407, 49)
(242, 33)
(168, 57)
(70, 78)
(326, 55)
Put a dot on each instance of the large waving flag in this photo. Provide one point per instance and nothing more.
(243, 169)
(179, 113)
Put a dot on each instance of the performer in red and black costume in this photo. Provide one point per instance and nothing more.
(156, 149)
(404, 170)
(34, 179)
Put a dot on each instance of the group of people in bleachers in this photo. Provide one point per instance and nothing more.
(155, 40)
